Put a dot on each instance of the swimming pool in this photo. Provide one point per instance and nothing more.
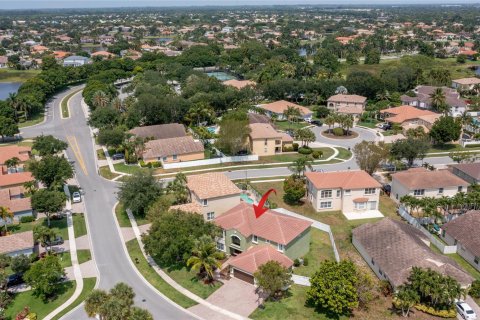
(212, 129)
(246, 198)
(220, 75)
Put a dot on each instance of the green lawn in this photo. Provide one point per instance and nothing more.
(123, 220)
(60, 226)
(11, 75)
(106, 173)
(101, 154)
(37, 305)
(189, 281)
(33, 120)
(130, 169)
(291, 307)
(84, 255)
(320, 250)
(65, 259)
(88, 286)
(79, 225)
(155, 280)
(343, 153)
(286, 125)
(290, 157)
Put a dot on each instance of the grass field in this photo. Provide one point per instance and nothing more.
(88, 286)
(122, 217)
(286, 125)
(106, 173)
(79, 225)
(101, 154)
(189, 281)
(10, 75)
(33, 120)
(343, 153)
(155, 280)
(320, 250)
(37, 305)
(84, 255)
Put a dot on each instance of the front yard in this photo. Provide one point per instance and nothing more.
(189, 281)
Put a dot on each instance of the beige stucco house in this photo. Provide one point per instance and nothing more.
(465, 83)
(264, 140)
(347, 104)
(420, 182)
(170, 150)
(212, 194)
(352, 192)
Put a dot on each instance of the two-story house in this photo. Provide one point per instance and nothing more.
(264, 140)
(347, 104)
(420, 182)
(212, 194)
(253, 241)
(352, 192)
(469, 172)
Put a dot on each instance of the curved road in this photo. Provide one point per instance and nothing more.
(112, 261)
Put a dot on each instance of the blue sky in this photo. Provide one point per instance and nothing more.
(29, 4)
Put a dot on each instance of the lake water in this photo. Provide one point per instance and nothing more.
(8, 87)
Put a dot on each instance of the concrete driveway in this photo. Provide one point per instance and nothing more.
(235, 295)
(473, 305)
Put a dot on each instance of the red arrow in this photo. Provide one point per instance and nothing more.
(259, 209)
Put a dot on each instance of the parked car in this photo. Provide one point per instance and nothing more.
(385, 126)
(14, 280)
(465, 311)
(317, 123)
(55, 242)
(76, 197)
(118, 156)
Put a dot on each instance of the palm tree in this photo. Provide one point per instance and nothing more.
(43, 235)
(94, 303)
(205, 257)
(5, 214)
(330, 121)
(348, 123)
(438, 100)
(12, 163)
(300, 166)
(476, 88)
(117, 104)
(292, 113)
(100, 99)
(466, 119)
(30, 187)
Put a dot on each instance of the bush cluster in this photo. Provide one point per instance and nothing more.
(305, 150)
(338, 131)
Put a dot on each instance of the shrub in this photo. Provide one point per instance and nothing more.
(287, 149)
(26, 219)
(386, 288)
(273, 205)
(305, 261)
(142, 163)
(296, 263)
(295, 147)
(452, 313)
(475, 289)
(337, 131)
(317, 154)
(156, 164)
(305, 150)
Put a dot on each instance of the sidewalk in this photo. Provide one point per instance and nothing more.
(225, 314)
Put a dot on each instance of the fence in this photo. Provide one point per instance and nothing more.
(444, 248)
(316, 224)
(207, 162)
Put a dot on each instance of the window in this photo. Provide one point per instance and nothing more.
(455, 242)
(372, 205)
(373, 262)
(476, 260)
(326, 205)
(267, 241)
(236, 240)
(326, 194)
(347, 192)
(380, 271)
(280, 247)
(265, 150)
(460, 188)
(440, 190)
(174, 157)
(164, 158)
(255, 239)
(210, 215)
(396, 196)
(339, 193)
(220, 246)
(370, 191)
(205, 202)
(419, 192)
(360, 205)
(266, 142)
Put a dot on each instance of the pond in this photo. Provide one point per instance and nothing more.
(8, 87)
(220, 75)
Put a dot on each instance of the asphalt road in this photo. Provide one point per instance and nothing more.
(112, 261)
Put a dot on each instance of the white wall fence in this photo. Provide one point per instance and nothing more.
(207, 162)
(466, 142)
(444, 248)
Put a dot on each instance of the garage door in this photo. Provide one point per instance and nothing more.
(243, 276)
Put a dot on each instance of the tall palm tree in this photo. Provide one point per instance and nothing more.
(439, 101)
(5, 214)
(330, 121)
(300, 166)
(100, 99)
(476, 88)
(466, 119)
(94, 303)
(205, 257)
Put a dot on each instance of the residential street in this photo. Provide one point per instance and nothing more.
(112, 262)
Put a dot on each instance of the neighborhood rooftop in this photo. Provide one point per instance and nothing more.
(396, 247)
(281, 106)
(8, 152)
(16, 242)
(160, 131)
(271, 225)
(172, 146)
(421, 178)
(342, 179)
(211, 185)
(255, 256)
(466, 230)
